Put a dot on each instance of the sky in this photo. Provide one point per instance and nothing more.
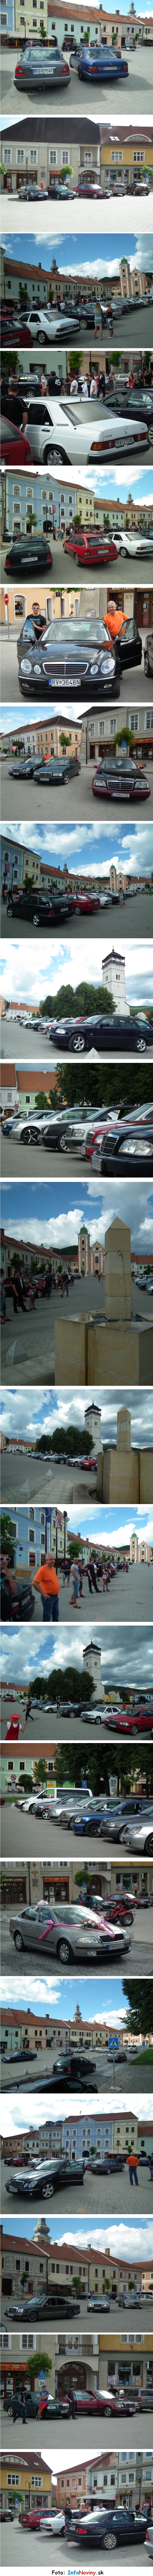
(31, 1414)
(57, 1212)
(111, 1528)
(91, 846)
(131, 2238)
(44, 968)
(19, 2115)
(87, 251)
(52, 1997)
(131, 1653)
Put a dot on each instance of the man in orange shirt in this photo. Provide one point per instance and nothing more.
(115, 618)
(47, 1583)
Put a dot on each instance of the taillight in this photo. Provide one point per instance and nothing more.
(64, 69)
(19, 75)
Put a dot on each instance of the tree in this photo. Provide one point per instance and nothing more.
(76, 362)
(138, 1995)
(62, 1683)
(31, 518)
(26, 1784)
(41, 1772)
(38, 2361)
(72, 1439)
(121, 1092)
(85, 998)
(6, 1536)
(43, 1099)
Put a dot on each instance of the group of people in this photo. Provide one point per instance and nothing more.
(28, 1288)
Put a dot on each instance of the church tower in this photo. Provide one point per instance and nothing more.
(113, 974)
(92, 1665)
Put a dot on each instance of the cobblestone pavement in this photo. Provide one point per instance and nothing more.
(78, 803)
(141, 923)
(140, 66)
(98, 2427)
(15, 2551)
(22, 1336)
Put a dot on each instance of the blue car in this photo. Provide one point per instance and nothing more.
(95, 64)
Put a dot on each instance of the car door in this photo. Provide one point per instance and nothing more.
(129, 645)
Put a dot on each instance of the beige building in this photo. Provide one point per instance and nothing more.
(43, 151)
(54, 602)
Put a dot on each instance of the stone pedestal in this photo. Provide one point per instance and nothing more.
(123, 1428)
(146, 1476)
(121, 1476)
(71, 1350)
(118, 1272)
(120, 1353)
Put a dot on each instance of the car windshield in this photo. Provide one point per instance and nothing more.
(83, 630)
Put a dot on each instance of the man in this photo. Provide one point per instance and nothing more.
(115, 619)
(46, 1582)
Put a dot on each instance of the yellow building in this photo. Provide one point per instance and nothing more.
(125, 156)
(126, 2358)
(51, 601)
(27, 2479)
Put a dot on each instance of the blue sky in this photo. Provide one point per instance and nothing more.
(44, 968)
(52, 1216)
(89, 847)
(86, 251)
(129, 1653)
(20, 2114)
(113, 1527)
(31, 1413)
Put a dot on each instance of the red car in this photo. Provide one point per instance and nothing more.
(127, 1721)
(14, 449)
(88, 902)
(103, 2401)
(120, 1909)
(31, 2521)
(88, 1462)
(90, 546)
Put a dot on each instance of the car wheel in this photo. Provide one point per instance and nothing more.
(47, 2190)
(64, 1953)
(25, 1138)
(140, 1046)
(40, 339)
(110, 2541)
(57, 454)
(35, 918)
(77, 1045)
(17, 1938)
(146, 664)
(148, 1847)
(63, 1144)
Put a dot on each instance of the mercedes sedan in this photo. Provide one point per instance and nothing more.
(67, 1931)
(124, 1152)
(74, 654)
(95, 62)
(39, 66)
(29, 554)
(61, 431)
(44, 2176)
(109, 2527)
(34, 905)
(116, 778)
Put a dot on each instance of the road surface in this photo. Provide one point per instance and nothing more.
(46, 804)
(133, 2071)
(135, 98)
(134, 917)
(129, 1596)
(125, 569)
(62, 2553)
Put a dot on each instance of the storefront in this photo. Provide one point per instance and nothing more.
(13, 1890)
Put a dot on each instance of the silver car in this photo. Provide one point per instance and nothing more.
(67, 1929)
(138, 1835)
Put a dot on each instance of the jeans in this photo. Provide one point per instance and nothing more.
(50, 1605)
(133, 2175)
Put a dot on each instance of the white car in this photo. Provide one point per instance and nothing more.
(50, 2523)
(129, 543)
(58, 429)
(46, 324)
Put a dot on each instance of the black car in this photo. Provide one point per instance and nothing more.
(138, 399)
(111, 2525)
(73, 654)
(51, 2405)
(43, 2307)
(24, 768)
(120, 778)
(17, 1605)
(125, 1150)
(38, 906)
(40, 66)
(129, 646)
(99, 1033)
(28, 554)
(54, 772)
(45, 2176)
(74, 2068)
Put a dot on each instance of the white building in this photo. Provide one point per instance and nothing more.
(92, 1421)
(92, 1665)
(113, 973)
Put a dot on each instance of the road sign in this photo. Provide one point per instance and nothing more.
(6, 597)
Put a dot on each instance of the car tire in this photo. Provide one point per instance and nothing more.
(146, 664)
(26, 1135)
(141, 1046)
(77, 1046)
(57, 454)
(18, 1942)
(148, 1847)
(47, 2190)
(65, 1953)
(110, 2541)
(36, 922)
(63, 1147)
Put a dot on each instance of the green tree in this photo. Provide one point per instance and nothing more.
(38, 2361)
(85, 998)
(41, 1772)
(125, 1088)
(75, 363)
(70, 1683)
(138, 1995)
(6, 1536)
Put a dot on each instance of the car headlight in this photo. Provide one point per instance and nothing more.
(94, 666)
(107, 664)
(37, 669)
(26, 666)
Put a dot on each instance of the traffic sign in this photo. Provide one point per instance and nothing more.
(6, 598)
